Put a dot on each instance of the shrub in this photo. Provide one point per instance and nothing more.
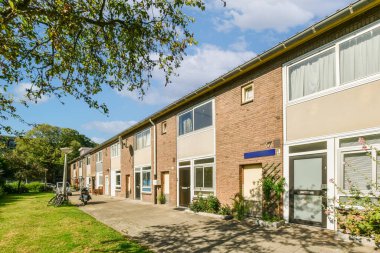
(2, 193)
(240, 207)
(225, 210)
(210, 204)
(213, 204)
(273, 188)
(35, 187)
(162, 199)
(12, 188)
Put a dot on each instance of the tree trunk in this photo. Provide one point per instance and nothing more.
(18, 186)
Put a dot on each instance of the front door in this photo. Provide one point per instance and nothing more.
(127, 186)
(137, 185)
(107, 186)
(251, 188)
(184, 186)
(165, 185)
(308, 185)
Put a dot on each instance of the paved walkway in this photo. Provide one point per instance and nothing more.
(166, 229)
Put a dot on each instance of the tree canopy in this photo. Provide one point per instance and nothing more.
(67, 47)
(39, 149)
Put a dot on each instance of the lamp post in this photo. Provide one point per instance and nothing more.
(65, 151)
(45, 178)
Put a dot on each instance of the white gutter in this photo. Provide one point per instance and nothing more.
(154, 149)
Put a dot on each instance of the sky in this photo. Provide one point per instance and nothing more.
(227, 37)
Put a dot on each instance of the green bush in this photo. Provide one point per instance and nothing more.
(2, 193)
(35, 187)
(225, 210)
(240, 207)
(12, 188)
(211, 204)
(162, 199)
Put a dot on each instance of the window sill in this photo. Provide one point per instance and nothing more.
(146, 193)
(246, 102)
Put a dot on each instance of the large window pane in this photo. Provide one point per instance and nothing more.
(146, 179)
(208, 177)
(360, 56)
(186, 123)
(357, 171)
(203, 116)
(312, 75)
(198, 176)
(143, 139)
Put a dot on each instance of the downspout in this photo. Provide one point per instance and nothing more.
(154, 159)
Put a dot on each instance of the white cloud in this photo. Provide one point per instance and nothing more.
(21, 92)
(109, 127)
(98, 140)
(198, 68)
(259, 15)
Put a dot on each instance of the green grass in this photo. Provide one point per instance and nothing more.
(27, 224)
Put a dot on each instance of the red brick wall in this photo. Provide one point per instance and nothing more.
(166, 156)
(126, 166)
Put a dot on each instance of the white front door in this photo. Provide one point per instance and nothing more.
(106, 189)
(252, 189)
(113, 183)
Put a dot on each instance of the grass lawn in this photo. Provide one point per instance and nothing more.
(27, 224)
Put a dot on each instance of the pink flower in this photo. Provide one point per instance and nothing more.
(361, 141)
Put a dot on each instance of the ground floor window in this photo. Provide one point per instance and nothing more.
(146, 179)
(99, 179)
(118, 180)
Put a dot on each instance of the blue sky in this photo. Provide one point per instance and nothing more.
(227, 38)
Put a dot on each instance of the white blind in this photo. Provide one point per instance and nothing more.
(360, 56)
(312, 75)
(357, 171)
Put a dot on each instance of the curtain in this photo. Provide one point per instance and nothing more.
(359, 56)
(312, 75)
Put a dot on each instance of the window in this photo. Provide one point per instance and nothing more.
(88, 160)
(351, 59)
(118, 180)
(80, 164)
(143, 139)
(204, 176)
(360, 56)
(197, 118)
(115, 150)
(99, 157)
(357, 170)
(146, 179)
(163, 127)
(100, 178)
(247, 93)
(186, 123)
(312, 75)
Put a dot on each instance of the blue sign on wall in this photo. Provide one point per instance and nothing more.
(269, 152)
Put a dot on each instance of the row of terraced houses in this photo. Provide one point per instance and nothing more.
(299, 108)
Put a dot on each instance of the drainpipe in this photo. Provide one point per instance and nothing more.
(154, 159)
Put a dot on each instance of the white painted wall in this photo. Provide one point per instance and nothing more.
(199, 143)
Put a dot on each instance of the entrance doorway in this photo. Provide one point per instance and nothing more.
(252, 189)
(308, 188)
(165, 185)
(137, 185)
(127, 186)
(106, 190)
(184, 186)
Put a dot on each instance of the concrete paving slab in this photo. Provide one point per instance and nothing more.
(168, 229)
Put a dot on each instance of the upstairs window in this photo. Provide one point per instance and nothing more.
(197, 118)
(115, 150)
(99, 157)
(347, 61)
(247, 93)
(143, 139)
(88, 160)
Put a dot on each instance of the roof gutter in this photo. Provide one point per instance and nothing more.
(328, 23)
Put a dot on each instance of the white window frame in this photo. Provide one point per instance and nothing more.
(99, 157)
(144, 170)
(98, 174)
(203, 165)
(193, 119)
(358, 149)
(115, 150)
(88, 160)
(338, 85)
(244, 89)
(140, 134)
(117, 186)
